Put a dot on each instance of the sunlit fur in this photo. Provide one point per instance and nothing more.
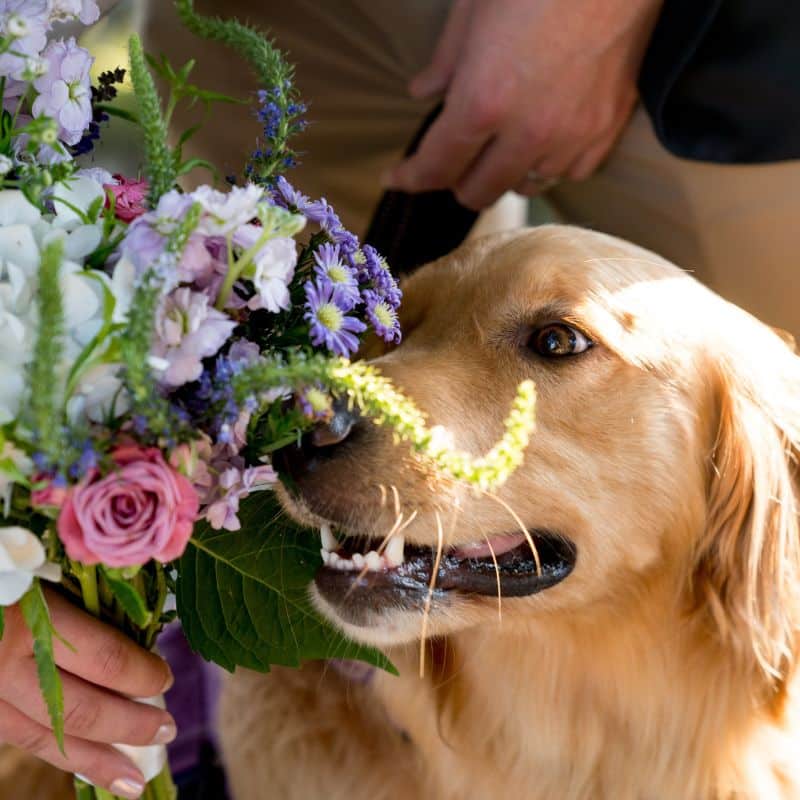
(663, 667)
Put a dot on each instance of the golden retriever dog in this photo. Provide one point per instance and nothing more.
(648, 650)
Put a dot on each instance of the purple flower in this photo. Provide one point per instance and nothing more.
(234, 483)
(331, 269)
(65, 92)
(87, 11)
(329, 324)
(315, 402)
(284, 194)
(187, 331)
(224, 212)
(376, 272)
(382, 316)
(26, 21)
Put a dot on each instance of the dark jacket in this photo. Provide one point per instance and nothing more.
(721, 79)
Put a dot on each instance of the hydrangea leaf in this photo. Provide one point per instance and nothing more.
(37, 617)
(243, 597)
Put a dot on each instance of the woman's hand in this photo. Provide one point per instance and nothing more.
(534, 91)
(99, 676)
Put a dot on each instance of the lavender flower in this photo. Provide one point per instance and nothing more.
(187, 331)
(65, 92)
(382, 316)
(315, 403)
(329, 326)
(330, 268)
(227, 211)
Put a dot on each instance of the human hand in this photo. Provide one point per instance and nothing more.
(105, 670)
(539, 88)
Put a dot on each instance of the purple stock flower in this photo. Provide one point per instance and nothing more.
(331, 269)
(382, 316)
(187, 331)
(27, 22)
(329, 325)
(65, 92)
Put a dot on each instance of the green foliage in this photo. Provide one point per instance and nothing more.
(271, 70)
(43, 379)
(160, 163)
(132, 603)
(37, 617)
(243, 600)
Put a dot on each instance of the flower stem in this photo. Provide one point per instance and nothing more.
(91, 596)
(161, 787)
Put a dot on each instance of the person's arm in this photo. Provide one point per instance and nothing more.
(529, 85)
(101, 670)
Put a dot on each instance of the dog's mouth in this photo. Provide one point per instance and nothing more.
(360, 571)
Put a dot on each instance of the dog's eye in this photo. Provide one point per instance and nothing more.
(558, 339)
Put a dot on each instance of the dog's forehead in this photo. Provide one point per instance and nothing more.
(552, 265)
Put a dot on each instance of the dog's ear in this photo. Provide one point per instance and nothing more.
(748, 565)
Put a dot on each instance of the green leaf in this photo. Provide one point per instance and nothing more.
(37, 617)
(243, 597)
(128, 597)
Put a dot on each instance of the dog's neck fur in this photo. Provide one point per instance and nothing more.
(641, 696)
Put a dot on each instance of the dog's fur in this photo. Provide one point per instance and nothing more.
(663, 668)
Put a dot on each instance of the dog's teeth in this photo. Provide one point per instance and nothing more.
(358, 560)
(329, 541)
(374, 561)
(394, 550)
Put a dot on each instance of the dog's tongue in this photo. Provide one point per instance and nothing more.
(497, 545)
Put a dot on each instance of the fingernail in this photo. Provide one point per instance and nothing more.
(126, 787)
(169, 681)
(166, 733)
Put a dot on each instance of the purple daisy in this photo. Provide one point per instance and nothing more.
(331, 269)
(287, 196)
(376, 272)
(383, 317)
(329, 325)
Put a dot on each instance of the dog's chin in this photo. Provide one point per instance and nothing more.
(379, 589)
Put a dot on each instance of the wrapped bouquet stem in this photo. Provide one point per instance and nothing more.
(157, 346)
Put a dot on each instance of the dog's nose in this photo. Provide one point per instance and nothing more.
(337, 428)
(318, 446)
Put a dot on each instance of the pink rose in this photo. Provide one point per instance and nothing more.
(144, 509)
(130, 197)
(50, 493)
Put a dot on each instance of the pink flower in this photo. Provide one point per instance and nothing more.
(51, 494)
(144, 509)
(130, 197)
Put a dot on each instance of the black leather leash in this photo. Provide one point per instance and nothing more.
(410, 230)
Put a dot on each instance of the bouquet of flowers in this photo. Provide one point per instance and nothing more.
(157, 345)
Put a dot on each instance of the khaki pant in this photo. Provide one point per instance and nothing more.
(737, 228)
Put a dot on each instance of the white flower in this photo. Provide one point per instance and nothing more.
(272, 269)
(100, 394)
(6, 165)
(23, 234)
(225, 212)
(22, 558)
(87, 11)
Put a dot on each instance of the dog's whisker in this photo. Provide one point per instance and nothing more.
(497, 574)
(522, 528)
(396, 496)
(429, 598)
(383, 492)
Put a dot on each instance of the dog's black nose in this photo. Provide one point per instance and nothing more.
(337, 428)
(319, 445)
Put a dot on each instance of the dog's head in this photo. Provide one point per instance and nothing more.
(664, 426)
